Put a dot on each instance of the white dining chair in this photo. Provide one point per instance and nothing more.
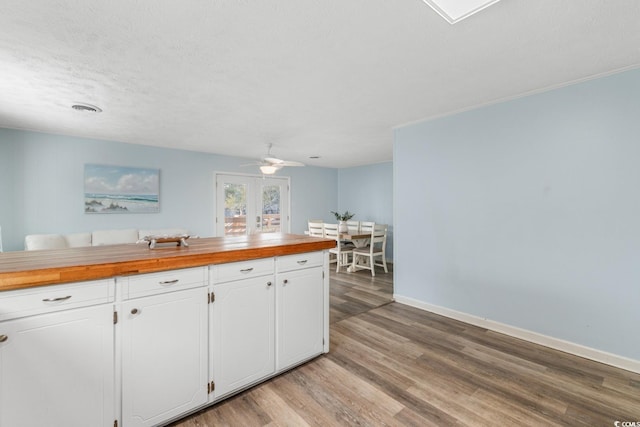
(365, 258)
(342, 250)
(353, 226)
(367, 226)
(316, 228)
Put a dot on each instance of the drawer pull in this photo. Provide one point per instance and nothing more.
(285, 281)
(246, 270)
(268, 283)
(56, 299)
(3, 338)
(302, 262)
(134, 311)
(169, 282)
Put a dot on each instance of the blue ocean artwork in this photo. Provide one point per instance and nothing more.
(119, 189)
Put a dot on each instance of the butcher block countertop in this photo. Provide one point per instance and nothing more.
(36, 268)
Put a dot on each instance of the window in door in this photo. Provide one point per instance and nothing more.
(250, 204)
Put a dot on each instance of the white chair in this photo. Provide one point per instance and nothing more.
(367, 226)
(364, 258)
(342, 250)
(353, 226)
(316, 228)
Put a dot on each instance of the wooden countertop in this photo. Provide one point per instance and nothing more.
(36, 268)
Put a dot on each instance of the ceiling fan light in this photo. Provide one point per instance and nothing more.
(268, 169)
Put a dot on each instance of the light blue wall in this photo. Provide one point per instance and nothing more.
(9, 209)
(368, 191)
(528, 213)
(42, 185)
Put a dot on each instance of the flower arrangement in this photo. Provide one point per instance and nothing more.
(346, 216)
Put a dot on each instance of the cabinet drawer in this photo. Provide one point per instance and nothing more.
(163, 282)
(46, 299)
(241, 270)
(299, 261)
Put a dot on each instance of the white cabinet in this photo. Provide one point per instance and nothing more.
(264, 322)
(300, 329)
(156, 346)
(164, 348)
(300, 309)
(57, 368)
(242, 326)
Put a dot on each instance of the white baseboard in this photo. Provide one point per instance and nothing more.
(534, 337)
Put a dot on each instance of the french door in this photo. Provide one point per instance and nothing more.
(247, 204)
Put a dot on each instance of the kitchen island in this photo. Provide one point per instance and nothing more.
(124, 335)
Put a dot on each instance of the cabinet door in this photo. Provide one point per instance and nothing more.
(164, 356)
(300, 321)
(57, 369)
(242, 339)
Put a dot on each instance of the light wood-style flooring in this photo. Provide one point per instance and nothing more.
(393, 365)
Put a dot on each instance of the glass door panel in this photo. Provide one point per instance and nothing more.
(271, 220)
(250, 204)
(235, 209)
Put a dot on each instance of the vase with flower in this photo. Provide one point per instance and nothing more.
(342, 220)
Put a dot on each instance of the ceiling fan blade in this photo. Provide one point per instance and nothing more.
(275, 161)
(291, 163)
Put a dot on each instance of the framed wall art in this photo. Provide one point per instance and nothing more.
(121, 189)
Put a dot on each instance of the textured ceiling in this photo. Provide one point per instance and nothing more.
(330, 78)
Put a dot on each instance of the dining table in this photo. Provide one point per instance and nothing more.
(359, 239)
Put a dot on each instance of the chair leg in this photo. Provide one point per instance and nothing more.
(384, 263)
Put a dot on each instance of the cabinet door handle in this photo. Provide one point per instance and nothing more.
(57, 299)
(3, 338)
(302, 262)
(268, 283)
(169, 282)
(285, 281)
(246, 270)
(134, 311)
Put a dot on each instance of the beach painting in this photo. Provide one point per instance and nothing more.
(120, 189)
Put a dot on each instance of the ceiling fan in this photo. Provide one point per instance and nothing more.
(270, 165)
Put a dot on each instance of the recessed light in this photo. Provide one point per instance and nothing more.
(87, 108)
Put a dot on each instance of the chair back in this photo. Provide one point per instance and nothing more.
(316, 229)
(353, 226)
(331, 231)
(379, 238)
(367, 226)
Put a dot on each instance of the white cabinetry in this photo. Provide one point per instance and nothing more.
(265, 322)
(57, 356)
(163, 345)
(243, 325)
(143, 350)
(300, 307)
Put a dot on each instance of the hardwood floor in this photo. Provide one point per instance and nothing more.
(394, 365)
